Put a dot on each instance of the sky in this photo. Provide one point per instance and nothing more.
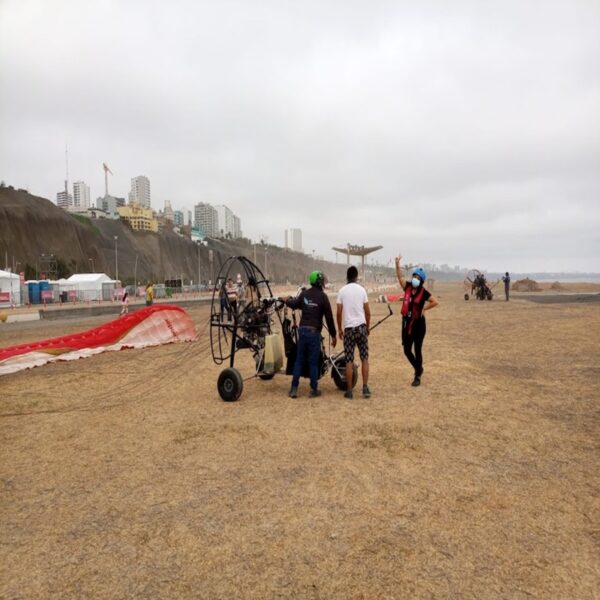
(465, 133)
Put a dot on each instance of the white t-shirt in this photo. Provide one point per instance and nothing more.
(353, 298)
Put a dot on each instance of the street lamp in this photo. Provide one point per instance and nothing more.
(199, 288)
(116, 258)
(266, 269)
(12, 296)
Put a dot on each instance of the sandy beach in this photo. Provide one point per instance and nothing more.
(125, 476)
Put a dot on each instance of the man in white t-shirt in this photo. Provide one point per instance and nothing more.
(353, 308)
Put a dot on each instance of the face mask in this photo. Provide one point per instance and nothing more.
(416, 282)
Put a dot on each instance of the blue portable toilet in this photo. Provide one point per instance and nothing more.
(34, 292)
(44, 287)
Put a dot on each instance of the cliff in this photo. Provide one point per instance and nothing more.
(31, 226)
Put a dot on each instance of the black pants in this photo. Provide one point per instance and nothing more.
(415, 338)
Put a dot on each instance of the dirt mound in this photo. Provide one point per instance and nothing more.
(526, 285)
(557, 286)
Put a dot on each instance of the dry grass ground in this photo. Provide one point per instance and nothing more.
(125, 476)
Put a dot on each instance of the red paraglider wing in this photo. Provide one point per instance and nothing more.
(159, 324)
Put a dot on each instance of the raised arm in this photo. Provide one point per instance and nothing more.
(399, 274)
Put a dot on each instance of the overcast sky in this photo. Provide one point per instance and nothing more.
(454, 132)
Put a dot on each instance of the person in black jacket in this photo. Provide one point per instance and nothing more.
(506, 280)
(314, 305)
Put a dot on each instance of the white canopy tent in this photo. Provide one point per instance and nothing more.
(90, 286)
(10, 289)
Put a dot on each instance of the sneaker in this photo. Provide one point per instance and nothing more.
(416, 381)
(348, 395)
(314, 393)
(293, 392)
(366, 391)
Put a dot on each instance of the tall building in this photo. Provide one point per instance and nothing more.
(64, 199)
(178, 218)
(229, 225)
(140, 191)
(225, 221)
(168, 212)
(293, 239)
(207, 218)
(110, 205)
(237, 227)
(81, 195)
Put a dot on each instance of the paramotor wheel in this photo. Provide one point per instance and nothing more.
(230, 385)
(339, 375)
(266, 376)
(467, 297)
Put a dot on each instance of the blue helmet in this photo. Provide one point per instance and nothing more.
(421, 273)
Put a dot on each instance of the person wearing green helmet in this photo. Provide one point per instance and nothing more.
(314, 304)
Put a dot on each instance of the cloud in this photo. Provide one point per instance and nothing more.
(464, 133)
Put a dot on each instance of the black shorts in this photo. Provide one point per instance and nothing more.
(356, 336)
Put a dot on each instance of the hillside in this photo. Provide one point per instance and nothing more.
(31, 226)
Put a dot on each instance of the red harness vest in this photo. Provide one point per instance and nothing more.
(411, 305)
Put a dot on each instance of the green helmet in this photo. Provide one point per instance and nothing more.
(316, 278)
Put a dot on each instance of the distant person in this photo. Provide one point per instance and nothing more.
(506, 280)
(315, 305)
(416, 301)
(239, 285)
(149, 295)
(223, 302)
(232, 297)
(353, 309)
(250, 295)
(125, 304)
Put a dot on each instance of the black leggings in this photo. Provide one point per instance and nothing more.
(416, 337)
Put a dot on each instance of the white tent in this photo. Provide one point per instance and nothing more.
(90, 286)
(10, 288)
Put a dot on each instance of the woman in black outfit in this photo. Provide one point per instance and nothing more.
(416, 301)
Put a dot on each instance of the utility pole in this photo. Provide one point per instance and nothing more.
(198, 247)
(116, 258)
(266, 270)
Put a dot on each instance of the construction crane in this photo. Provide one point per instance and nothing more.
(106, 172)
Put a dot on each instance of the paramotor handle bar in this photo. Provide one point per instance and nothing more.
(273, 300)
(390, 313)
